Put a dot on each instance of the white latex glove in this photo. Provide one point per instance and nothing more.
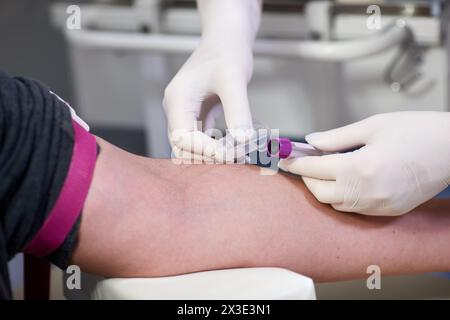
(404, 161)
(220, 67)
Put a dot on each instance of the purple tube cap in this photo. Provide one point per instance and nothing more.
(284, 147)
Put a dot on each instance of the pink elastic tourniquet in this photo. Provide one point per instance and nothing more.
(73, 194)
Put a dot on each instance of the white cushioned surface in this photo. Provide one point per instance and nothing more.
(248, 283)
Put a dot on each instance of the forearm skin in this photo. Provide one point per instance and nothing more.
(148, 218)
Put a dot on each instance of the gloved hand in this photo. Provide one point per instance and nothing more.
(404, 161)
(220, 67)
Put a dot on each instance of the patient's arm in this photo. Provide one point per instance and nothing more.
(147, 217)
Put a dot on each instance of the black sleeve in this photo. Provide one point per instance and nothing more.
(36, 141)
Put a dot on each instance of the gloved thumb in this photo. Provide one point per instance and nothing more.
(341, 139)
(237, 111)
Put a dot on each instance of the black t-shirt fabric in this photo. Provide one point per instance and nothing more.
(36, 142)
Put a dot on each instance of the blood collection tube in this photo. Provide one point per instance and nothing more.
(284, 148)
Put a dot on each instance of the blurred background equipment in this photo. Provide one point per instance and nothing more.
(322, 63)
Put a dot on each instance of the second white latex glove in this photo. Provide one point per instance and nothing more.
(404, 161)
(220, 67)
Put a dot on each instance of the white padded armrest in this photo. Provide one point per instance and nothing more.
(238, 284)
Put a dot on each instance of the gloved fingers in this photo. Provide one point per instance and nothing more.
(344, 207)
(356, 208)
(372, 207)
(341, 139)
(181, 111)
(237, 110)
(324, 190)
(228, 152)
(356, 203)
(317, 167)
(181, 156)
(194, 141)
